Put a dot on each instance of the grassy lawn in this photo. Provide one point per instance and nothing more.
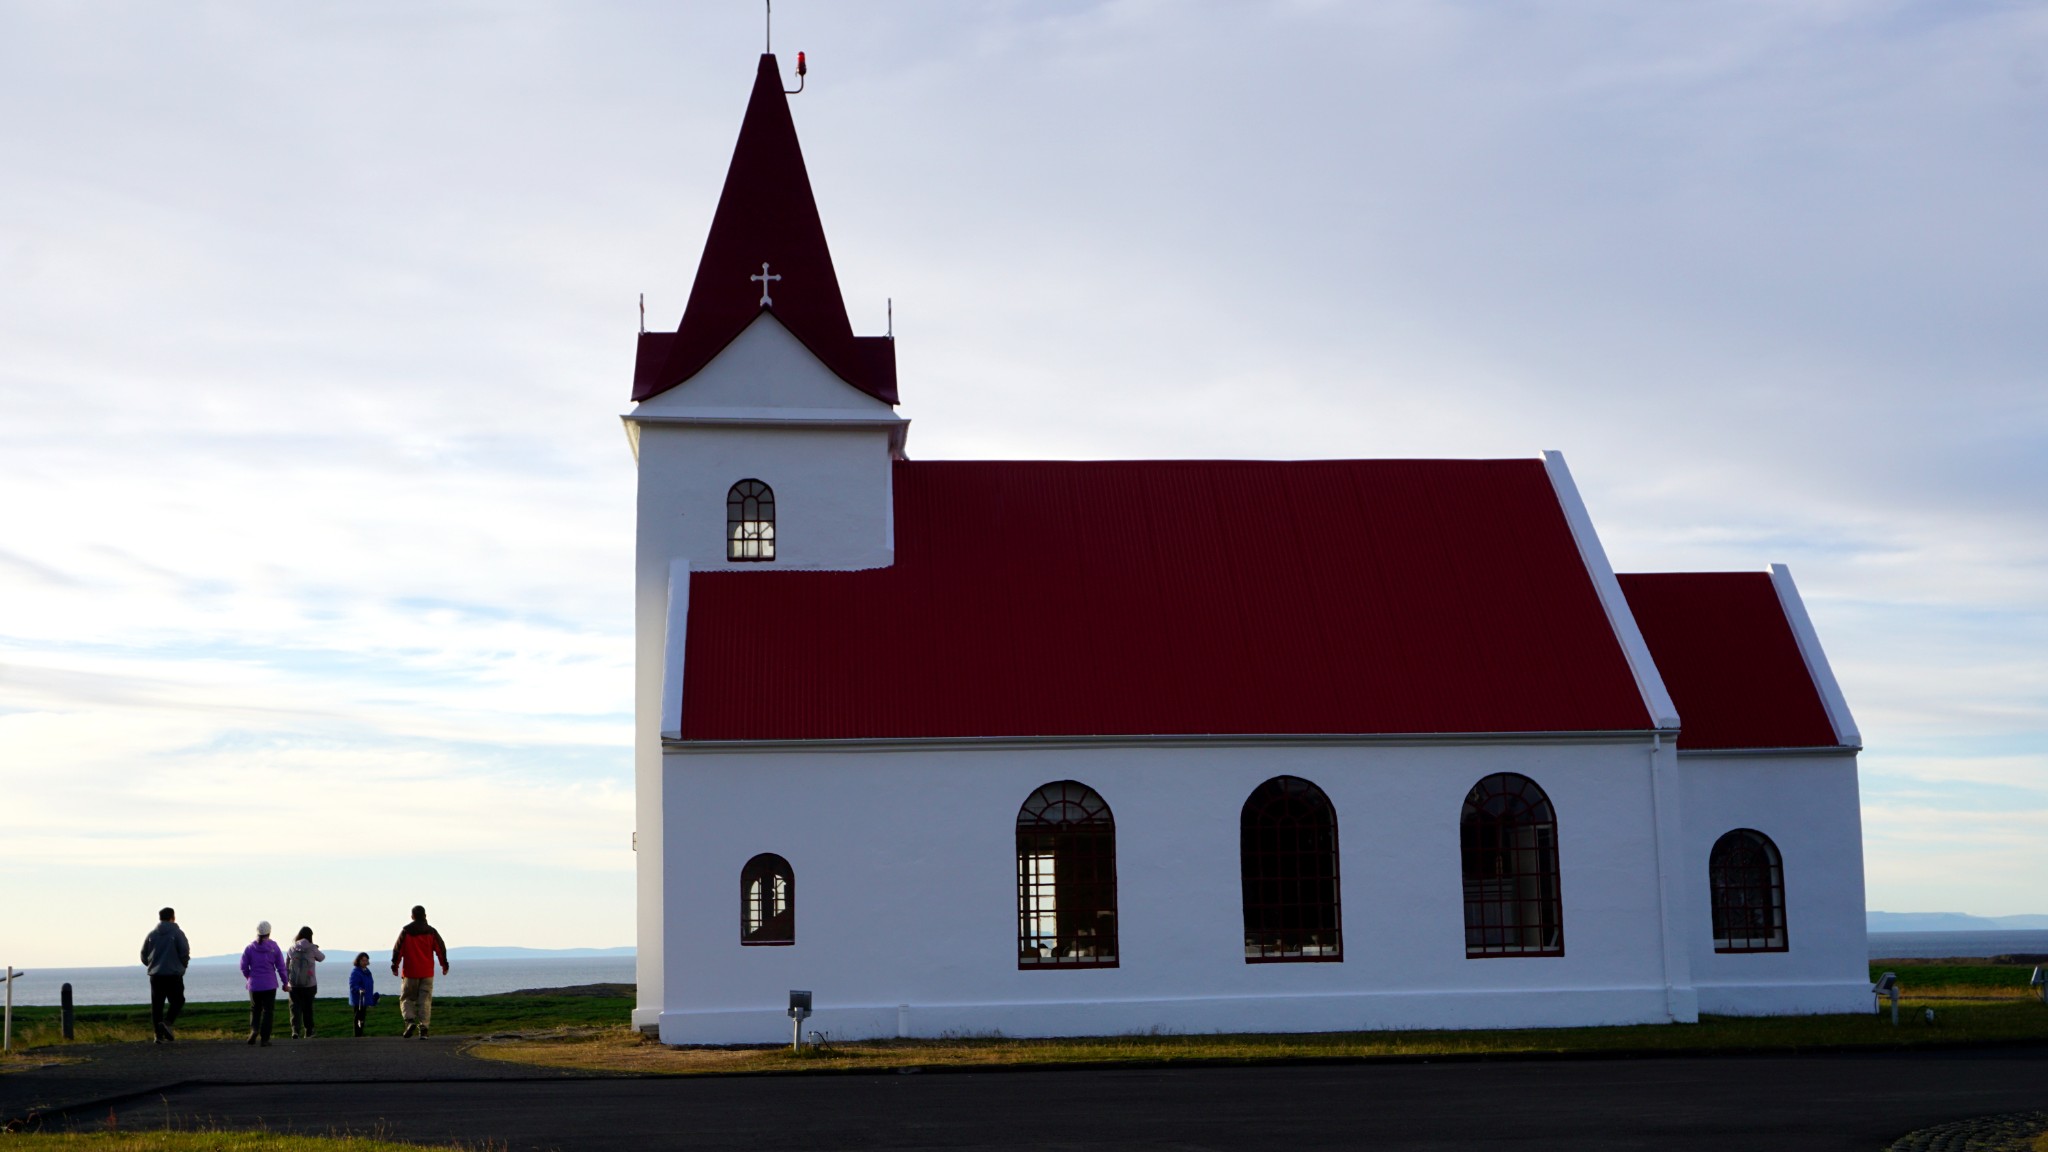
(453, 1016)
(176, 1141)
(1957, 1021)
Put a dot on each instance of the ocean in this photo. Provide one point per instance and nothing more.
(1929, 945)
(128, 984)
(204, 982)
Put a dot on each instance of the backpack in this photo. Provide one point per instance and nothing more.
(299, 967)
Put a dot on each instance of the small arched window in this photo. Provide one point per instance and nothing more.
(1287, 849)
(1508, 837)
(750, 521)
(1066, 879)
(767, 901)
(1748, 880)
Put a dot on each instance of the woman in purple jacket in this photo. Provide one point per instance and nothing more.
(263, 968)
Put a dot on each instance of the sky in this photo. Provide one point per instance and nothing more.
(316, 321)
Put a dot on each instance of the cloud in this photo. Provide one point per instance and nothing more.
(319, 320)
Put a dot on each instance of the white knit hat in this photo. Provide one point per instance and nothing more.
(263, 927)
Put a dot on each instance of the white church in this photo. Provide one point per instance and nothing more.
(1091, 747)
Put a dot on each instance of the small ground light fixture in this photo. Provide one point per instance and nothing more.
(1887, 986)
(799, 1008)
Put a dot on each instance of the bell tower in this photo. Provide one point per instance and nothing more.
(764, 432)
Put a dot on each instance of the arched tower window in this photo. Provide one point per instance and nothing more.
(1748, 880)
(1066, 879)
(1508, 837)
(750, 521)
(1287, 849)
(767, 901)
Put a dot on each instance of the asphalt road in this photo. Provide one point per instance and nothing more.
(1747, 1104)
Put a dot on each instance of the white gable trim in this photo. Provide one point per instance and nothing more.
(1237, 740)
(676, 631)
(1846, 733)
(1649, 681)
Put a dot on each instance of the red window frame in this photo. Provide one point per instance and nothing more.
(750, 522)
(1746, 878)
(1514, 898)
(1287, 856)
(767, 915)
(1066, 879)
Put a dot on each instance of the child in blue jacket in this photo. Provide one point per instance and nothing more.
(362, 989)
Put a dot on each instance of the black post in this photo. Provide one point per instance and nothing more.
(64, 998)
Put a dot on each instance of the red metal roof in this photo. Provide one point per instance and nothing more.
(766, 214)
(1729, 660)
(1175, 597)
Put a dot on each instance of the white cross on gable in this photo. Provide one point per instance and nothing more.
(764, 278)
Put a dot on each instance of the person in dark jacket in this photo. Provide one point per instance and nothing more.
(412, 961)
(362, 990)
(166, 954)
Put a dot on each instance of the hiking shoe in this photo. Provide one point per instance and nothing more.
(423, 1031)
(409, 1030)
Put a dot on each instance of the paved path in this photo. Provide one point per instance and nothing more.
(111, 1071)
(1754, 1104)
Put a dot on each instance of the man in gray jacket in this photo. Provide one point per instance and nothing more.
(166, 954)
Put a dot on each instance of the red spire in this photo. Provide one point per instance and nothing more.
(766, 215)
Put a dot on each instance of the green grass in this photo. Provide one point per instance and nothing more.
(1956, 1022)
(453, 1016)
(2001, 977)
(170, 1140)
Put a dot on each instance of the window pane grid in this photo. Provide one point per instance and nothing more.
(1748, 882)
(767, 901)
(1514, 903)
(750, 522)
(1288, 857)
(1066, 880)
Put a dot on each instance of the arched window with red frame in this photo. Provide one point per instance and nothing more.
(1287, 853)
(1747, 878)
(1066, 879)
(1514, 903)
(750, 522)
(767, 901)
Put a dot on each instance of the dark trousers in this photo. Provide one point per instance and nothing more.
(262, 1010)
(166, 1000)
(302, 1010)
(362, 1013)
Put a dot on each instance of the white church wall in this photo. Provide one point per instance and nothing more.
(831, 484)
(1809, 806)
(765, 371)
(906, 900)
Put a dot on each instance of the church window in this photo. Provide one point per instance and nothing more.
(1287, 847)
(1748, 881)
(1508, 838)
(1066, 879)
(767, 901)
(750, 521)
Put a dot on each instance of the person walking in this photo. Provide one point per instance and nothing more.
(412, 960)
(166, 954)
(263, 972)
(362, 990)
(302, 980)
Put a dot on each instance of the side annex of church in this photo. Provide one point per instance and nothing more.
(1092, 747)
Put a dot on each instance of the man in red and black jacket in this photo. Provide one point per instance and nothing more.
(412, 960)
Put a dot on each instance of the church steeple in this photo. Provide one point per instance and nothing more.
(766, 215)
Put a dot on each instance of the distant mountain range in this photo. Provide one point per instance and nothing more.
(479, 952)
(1950, 922)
